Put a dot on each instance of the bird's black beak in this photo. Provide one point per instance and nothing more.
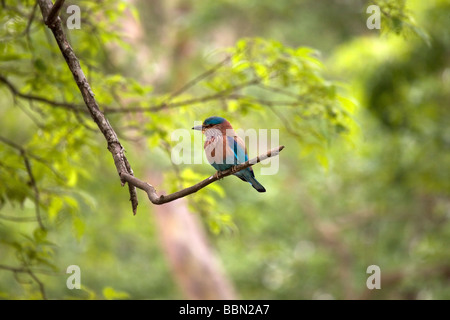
(200, 127)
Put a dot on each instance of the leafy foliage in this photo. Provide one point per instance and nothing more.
(399, 19)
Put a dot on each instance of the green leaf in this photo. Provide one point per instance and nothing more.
(111, 294)
(79, 227)
(40, 65)
(55, 207)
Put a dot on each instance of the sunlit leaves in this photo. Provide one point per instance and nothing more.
(32, 250)
(398, 19)
(290, 82)
(110, 293)
(51, 144)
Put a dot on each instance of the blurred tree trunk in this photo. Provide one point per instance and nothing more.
(195, 266)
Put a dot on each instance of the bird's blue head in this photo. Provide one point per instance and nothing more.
(213, 122)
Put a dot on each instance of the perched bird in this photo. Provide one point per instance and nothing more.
(224, 149)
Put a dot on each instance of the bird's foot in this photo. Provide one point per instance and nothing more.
(216, 175)
(233, 169)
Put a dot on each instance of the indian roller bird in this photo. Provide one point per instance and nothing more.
(224, 149)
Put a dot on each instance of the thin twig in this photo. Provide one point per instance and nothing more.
(224, 94)
(30, 114)
(199, 78)
(18, 219)
(32, 156)
(39, 283)
(131, 189)
(24, 155)
(26, 32)
(35, 188)
(31, 97)
(30, 273)
(286, 123)
(281, 91)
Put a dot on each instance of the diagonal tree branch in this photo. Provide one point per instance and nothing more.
(156, 199)
(73, 63)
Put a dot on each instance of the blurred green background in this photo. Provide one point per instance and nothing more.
(364, 178)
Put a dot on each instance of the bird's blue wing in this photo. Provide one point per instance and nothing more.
(236, 149)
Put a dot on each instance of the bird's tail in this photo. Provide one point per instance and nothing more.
(255, 184)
